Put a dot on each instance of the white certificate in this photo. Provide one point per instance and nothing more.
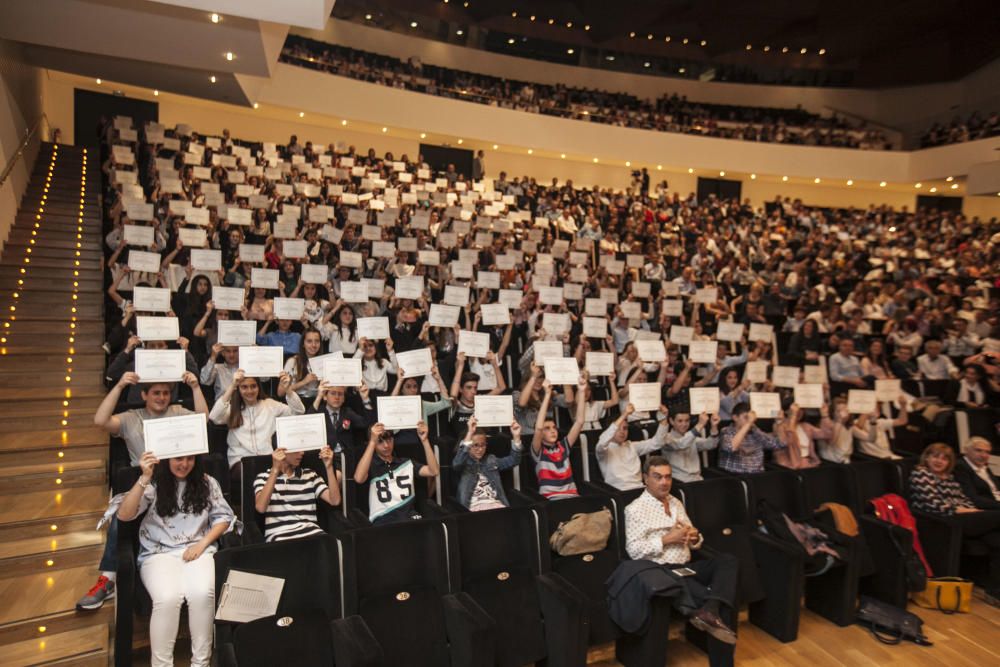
(703, 351)
(456, 295)
(556, 324)
(767, 404)
(862, 401)
(428, 257)
(547, 349)
(704, 400)
(651, 351)
(142, 261)
(251, 252)
(138, 235)
(409, 287)
(756, 371)
(681, 335)
(809, 395)
(157, 328)
(645, 396)
(494, 410)
(206, 259)
(295, 249)
(609, 294)
(785, 376)
(301, 432)
(488, 280)
(288, 309)
(888, 390)
(171, 437)
(550, 296)
(814, 374)
(228, 298)
(495, 314)
(473, 343)
(342, 372)
(594, 327)
(673, 307)
(160, 365)
(266, 278)
(315, 274)
(511, 298)
(151, 299)
(443, 316)
(354, 291)
(599, 363)
(399, 412)
(415, 363)
(237, 333)
(192, 237)
(729, 331)
(706, 295)
(631, 310)
(265, 361)
(562, 370)
(373, 328)
(640, 290)
(350, 259)
(595, 307)
(763, 332)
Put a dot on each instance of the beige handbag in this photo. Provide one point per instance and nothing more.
(582, 534)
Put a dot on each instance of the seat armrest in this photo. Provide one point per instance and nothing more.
(354, 645)
(226, 653)
(567, 627)
(941, 540)
(471, 631)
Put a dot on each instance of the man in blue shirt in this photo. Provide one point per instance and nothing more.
(742, 445)
(284, 337)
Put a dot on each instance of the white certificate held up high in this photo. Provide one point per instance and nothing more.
(160, 365)
(547, 349)
(373, 328)
(301, 433)
(756, 371)
(494, 410)
(809, 395)
(861, 401)
(264, 361)
(264, 278)
(399, 412)
(595, 327)
(315, 274)
(599, 363)
(785, 376)
(645, 396)
(237, 333)
(495, 314)
(729, 331)
(703, 351)
(563, 370)
(288, 309)
(767, 404)
(704, 400)
(888, 390)
(762, 332)
(228, 298)
(157, 328)
(151, 299)
(415, 363)
(142, 261)
(681, 335)
(442, 315)
(473, 343)
(651, 351)
(171, 437)
(342, 372)
(205, 259)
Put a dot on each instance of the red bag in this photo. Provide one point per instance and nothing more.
(892, 508)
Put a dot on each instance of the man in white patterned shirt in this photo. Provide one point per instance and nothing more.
(657, 528)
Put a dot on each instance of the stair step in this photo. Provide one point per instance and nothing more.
(75, 648)
(52, 503)
(46, 628)
(57, 543)
(85, 434)
(53, 465)
(48, 594)
(24, 530)
(65, 480)
(45, 421)
(43, 250)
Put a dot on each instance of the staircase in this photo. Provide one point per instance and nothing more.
(53, 461)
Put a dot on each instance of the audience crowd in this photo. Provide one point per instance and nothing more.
(669, 113)
(716, 333)
(976, 126)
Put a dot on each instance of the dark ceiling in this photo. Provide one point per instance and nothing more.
(881, 42)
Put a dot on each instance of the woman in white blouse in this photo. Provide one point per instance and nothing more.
(250, 416)
(374, 369)
(340, 328)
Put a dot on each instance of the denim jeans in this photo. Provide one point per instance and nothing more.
(109, 560)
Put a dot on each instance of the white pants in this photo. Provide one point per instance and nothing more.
(170, 581)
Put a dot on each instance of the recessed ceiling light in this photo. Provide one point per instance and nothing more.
(368, 17)
(681, 70)
(749, 47)
(569, 24)
(784, 49)
(646, 64)
(850, 182)
(753, 177)
(551, 21)
(649, 36)
(628, 163)
(413, 24)
(816, 180)
(595, 160)
(659, 167)
(933, 189)
(495, 146)
(954, 186)
(950, 179)
(212, 78)
(302, 114)
(704, 42)
(667, 38)
(918, 185)
(766, 48)
(609, 58)
(822, 52)
(385, 129)
(510, 40)
(882, 184)
(459, 33)
(343, 122)
(156, 93)
(722, 173)
(586, 27)
(784, 178)
(690, 170)
(461, 141)
(229, 55)
(215, 18)
(423, 135)
(98, 81)
(685, 40)
(569, 51)
(561, 155)
(530, 151)
(256, 105)
(803, 50)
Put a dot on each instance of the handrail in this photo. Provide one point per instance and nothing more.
(28, 136)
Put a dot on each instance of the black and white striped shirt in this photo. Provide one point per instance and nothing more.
(291, 511)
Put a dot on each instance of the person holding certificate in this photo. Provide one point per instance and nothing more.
(304, 381)
(286, 495)
(261, 306)
(800, 438)
(187, 515)
(340, 328)
(376, 369)
(550, 452)
(342, 420)
(683, 444)
(125, 362)
(464, 388)
(619, 458)
(249, 414)
(479, 485)
(288, 340)
(407, 386)
(392, 480)
(742, 444)
(220, 375)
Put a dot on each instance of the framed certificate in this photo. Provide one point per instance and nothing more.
(494, 410)
(767, 404)
(265, 361)
(315, 274)
(206, 259)
(409, 287)
(861, 401)
(651, 351)
(160, 365)
(399, 412)
(157, 328)
(756, 371)
(599, 363)
(343, 372)
(144, 262)
(301, 432)
(645, 396)
(785, 376)
(456, 295)
(172, 437)
(562, 370)
(473, 343)
(264, 278)
(495, 314)
(442, 315)
(415, 363)
(704, 400)
(888, 390)
(373, 328)
(151, 299)
(594, 327)
(809, 395)
(681, 335)
(228, 298)
(729, 331)
(236, 333)
(288, 309)
(547, 349)
(703, 351)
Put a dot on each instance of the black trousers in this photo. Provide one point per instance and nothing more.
(718, 576)
(985, 526)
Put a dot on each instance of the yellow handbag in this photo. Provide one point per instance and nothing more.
(946, 594)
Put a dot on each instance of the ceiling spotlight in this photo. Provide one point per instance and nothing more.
(510, 40)
(803, 50)
(690, 170)
(459, 33)
(413, 24)
(646, 64)
(586, 27)
(229, 55)
(98, 82)
(749, 47)
(667, 38)
(532, 17)
(531, 150)
(569, 51)
(256, 105)
(551, 21)
(495, 146)
(784, 178)
(302, 114)
(423, 135)
(918, 185)
(385, 129)
(816, 180)
(215, 18)
(766, 48)
(609, 58)
(156, 93)
(561, 155)
(681, 70)
(649, 36)
(954, 186)
(933, 189)
(569, 24)
(461, 141)
(722, 173)
(628, 163)
(850, 182)
(513, 15)
(212, 78)
(685, 40)
(753, 177)
(822, 52)
(704, 42)
(950, 179)
(343, 122)
(784, 49)
(631, 35)
(368, 17)
(882, 184)
(659, 167)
